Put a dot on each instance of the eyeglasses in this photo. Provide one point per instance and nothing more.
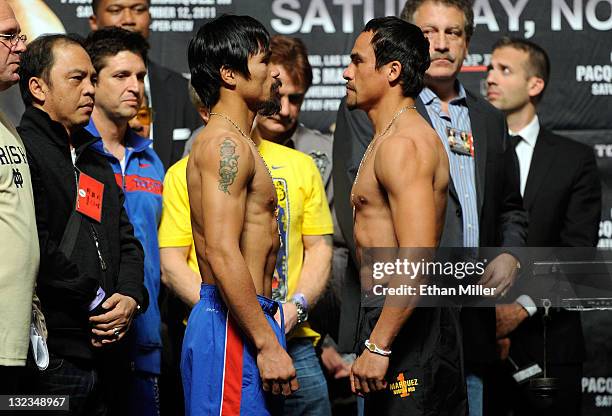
(14, 38)
(144, 115)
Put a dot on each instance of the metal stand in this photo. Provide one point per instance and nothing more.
(545, 388)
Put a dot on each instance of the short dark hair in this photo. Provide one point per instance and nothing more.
(229, 41)
(466, 6)
(397, 40)
(538, 63)
(39, 58)
(109, 41)
(292, 55)
(194, 97)
(96, 3)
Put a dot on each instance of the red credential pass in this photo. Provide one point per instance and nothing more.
(89, 201)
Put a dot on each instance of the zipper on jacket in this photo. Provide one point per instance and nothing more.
(125, 157)
(74, 157)
(95, 236)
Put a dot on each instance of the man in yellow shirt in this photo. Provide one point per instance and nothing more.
(179, 264)
(303, 263)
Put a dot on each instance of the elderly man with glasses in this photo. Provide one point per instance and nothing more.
(19, 245)
(14, 38)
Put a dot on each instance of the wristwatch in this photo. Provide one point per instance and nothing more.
(301, 306)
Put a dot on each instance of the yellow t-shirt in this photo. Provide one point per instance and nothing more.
(175, 224)
(303, 210)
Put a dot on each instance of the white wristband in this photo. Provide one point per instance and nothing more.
(373, 348)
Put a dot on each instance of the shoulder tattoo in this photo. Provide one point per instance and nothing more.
(228, 165)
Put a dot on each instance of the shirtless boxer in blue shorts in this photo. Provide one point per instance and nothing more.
(233, 355)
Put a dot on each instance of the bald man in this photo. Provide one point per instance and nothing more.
(19, 244)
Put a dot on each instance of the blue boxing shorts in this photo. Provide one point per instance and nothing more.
(219, 365)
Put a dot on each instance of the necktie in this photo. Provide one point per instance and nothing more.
(515, 140)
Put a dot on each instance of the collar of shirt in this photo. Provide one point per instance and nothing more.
(289, 142)
(429, 97)
(530, 132)
(132, 140)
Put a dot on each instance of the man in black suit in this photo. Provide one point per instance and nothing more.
(167, 92)
(562, 194)
(484, 206)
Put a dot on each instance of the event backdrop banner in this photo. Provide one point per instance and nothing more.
(576, 34)
(572, 31)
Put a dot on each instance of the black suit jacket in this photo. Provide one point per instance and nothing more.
(68, 280)
(563, 199)
(503, 221)
(172, 110)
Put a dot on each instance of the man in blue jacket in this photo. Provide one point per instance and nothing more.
(119, 58)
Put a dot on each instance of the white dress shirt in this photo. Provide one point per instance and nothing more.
(524, 150)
